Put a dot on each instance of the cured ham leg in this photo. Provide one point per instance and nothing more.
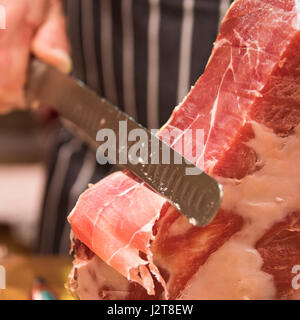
(248, 103)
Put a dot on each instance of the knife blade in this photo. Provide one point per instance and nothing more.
(196, 196)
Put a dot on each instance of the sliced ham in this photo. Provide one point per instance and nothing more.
(248, 103)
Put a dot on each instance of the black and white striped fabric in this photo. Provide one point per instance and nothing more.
(142, 55)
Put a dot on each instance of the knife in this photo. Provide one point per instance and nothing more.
(197, 196)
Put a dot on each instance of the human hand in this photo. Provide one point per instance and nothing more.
(32, 27)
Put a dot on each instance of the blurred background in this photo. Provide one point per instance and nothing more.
(25, 141)
(22, 176)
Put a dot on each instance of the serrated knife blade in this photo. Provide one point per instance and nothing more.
(196, 196)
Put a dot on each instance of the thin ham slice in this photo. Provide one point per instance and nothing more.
(248, 103)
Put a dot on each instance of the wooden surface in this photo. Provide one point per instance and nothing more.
(22, 270)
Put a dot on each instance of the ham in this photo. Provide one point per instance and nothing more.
(248, 103)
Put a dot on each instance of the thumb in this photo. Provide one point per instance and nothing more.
(50, 43)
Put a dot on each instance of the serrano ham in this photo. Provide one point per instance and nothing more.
(248, 103)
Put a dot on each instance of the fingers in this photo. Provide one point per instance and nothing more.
(31, 27)
(50, 43)
(14, 52)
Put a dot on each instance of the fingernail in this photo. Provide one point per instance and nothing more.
(64, 62)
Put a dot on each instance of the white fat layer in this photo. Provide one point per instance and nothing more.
(94, 279)
(262, 199)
